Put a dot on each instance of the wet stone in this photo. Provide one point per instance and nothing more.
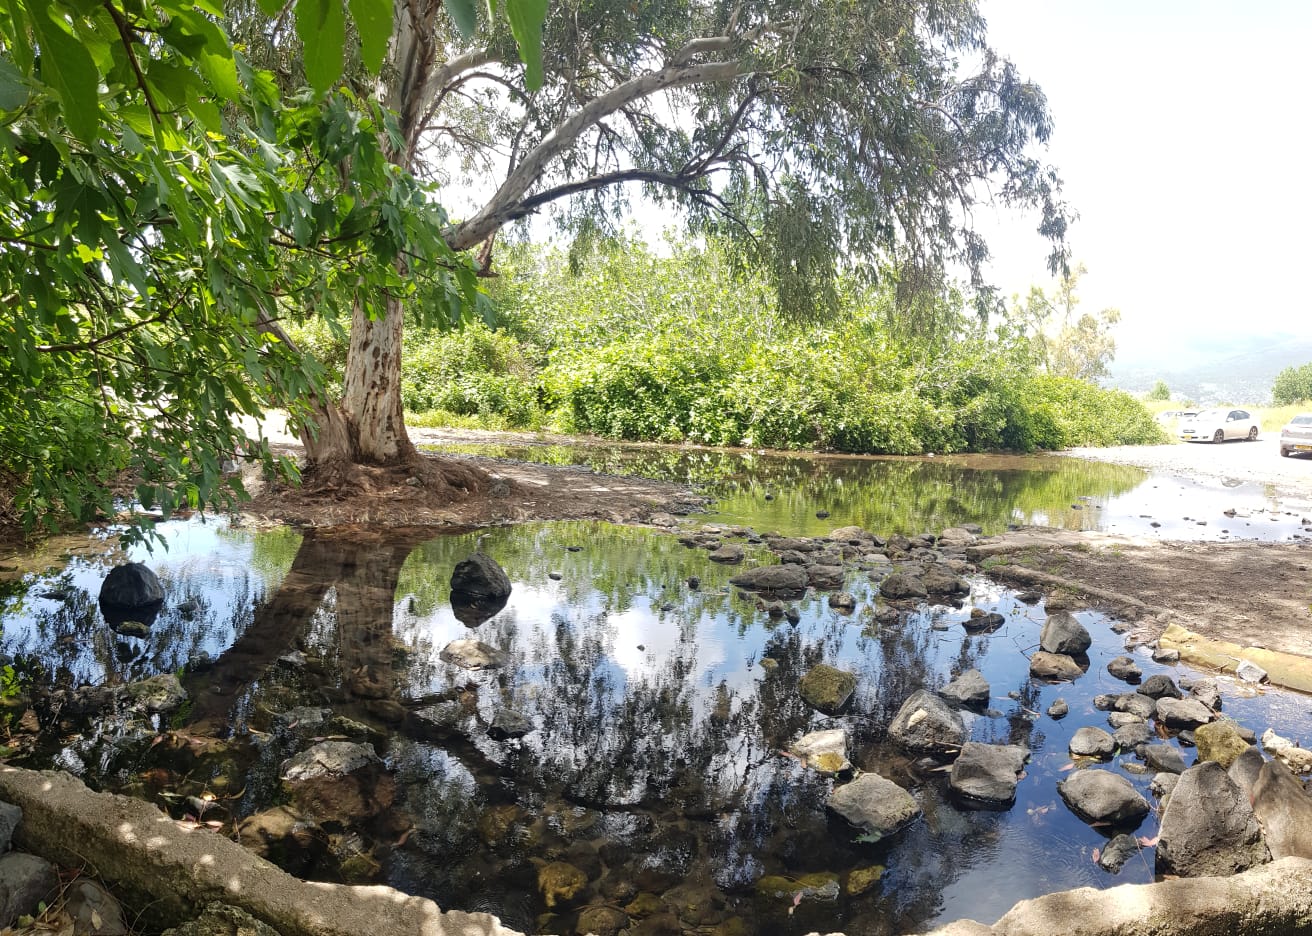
(1117, 852)
(508, 723)
(1054, 666)
(877, 806)
(825, 576)
(1058, 709)
(728, 554)
(1182, 713)
(988, 773)
(927, 724)
(1163, 758)
(1102, 796)
(970, 689)
(900, 586)
(1124, 668)
(842, 601)
(983, 622)
(1092, 742)
(1160, 686)
(560, 883)
(1063, 634)
(601, 921)
(824, 751)
(158, 694)
(329, 759)
(827, 689)
(782, 579)
(473, 654)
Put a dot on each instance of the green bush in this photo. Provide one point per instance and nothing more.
(475, 371)
(1293, 385)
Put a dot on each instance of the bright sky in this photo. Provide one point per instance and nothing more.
(1182, 135)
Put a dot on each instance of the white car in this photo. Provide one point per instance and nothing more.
(1217, 425)
(1296, 435)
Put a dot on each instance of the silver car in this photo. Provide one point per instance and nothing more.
(1296, 435)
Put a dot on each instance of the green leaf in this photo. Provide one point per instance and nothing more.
(465, 15)
(214, 58)
(321, 26)
(13, 90)
(67, 67)
(271, 7)
(373, 20)
(526, 19)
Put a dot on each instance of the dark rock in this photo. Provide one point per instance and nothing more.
(131, 586)
(1092, 742)
(1102, 796)
(792, 615)
(10, 817)
(555, 576)
(1062, 633)
(1124, 667)
(940, 582)
(694, 583)
(329, 759)
(927, 724)
(970, 689)
(1135, 703)
(1117, 852)
(473, 610)
(138, 629)
(825, 576)
(728, 554)
(284, 837)
(780, 579)
(827, 689)
(222, 920)
(1208, 827)
(1058, 709)
(877, 806)
(1284, 810)
(93, 909)
(901, 585)
(1128, 737)
(1163, 784)
(793, 557)
(507, 723)
(158, 694)
(987, 773)
(1058, 666)
(981, 622)
(479, 577)
(1182, 713)
(822, 514)
(1163, 758)
(25, 882)
(1160, 686)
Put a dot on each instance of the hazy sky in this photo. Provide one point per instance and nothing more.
(1182, 137)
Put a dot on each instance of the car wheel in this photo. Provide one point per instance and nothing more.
(1219, 436)
(1252, 434)
(1284, 452)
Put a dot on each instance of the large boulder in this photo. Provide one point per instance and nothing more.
(877, 806)
(1100, 796)
(988, 773)
(1055, 666)
(1246, 769)
(827, 689)
(901, 586)
(1208, 827)
(25, 882)
(130, 587)
(1284, 810)
(825, 576)
(1062, 633)
(1163, 758)
(970, 689)
(784, 580)
(927, 724)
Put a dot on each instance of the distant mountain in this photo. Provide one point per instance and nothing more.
(1211, 369)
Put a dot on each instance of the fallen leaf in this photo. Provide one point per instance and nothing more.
(1147, 842)
(1065, 767)
(213, 823)
(1096, 855)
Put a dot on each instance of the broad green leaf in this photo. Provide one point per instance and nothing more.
(13, 90)
(526, 19)
(22, 49)
(373, 20)
(465, 15)
(321, 26)
(215, 58)
(67, 67)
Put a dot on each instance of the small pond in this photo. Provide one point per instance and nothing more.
(657, 712)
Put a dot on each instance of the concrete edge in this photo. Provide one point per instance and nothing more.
(131, 844)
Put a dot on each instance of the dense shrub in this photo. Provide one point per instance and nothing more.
(1293, 385)
(475, 371)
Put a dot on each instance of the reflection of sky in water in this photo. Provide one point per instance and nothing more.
(911, 495)
(685, 729)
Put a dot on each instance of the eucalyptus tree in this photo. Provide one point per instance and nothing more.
(818, 136)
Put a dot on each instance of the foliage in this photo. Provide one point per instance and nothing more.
(1065, 344)
(1292, 385)
(639, 346)
(162, 209)
(1160, 391)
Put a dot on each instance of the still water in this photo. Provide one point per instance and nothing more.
(657, 712)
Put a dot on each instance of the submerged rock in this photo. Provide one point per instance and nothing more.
(827, 689)
(560, 883)
(472, 654)
(1208, 827)
(329, 759)
(1102, 796)
(988, 773)
(927, 724)
(901, 585)
(284, 837)
(158, 694)
(818, 886)
(1056, 666)
(1117, 852)
(983, 622)
(877, 806)
(781, 579)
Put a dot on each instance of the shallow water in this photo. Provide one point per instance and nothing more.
(653, 765)
(890, 494)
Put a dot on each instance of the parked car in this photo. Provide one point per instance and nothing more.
(1296, 435)
(1170, 415)
(1217, 425)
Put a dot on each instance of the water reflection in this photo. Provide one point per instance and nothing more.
(894, 494)
(656, 716)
